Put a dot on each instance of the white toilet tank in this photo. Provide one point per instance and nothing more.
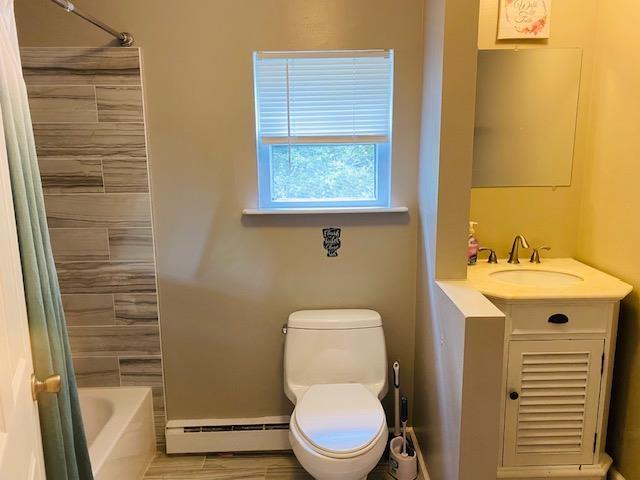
(334, 346)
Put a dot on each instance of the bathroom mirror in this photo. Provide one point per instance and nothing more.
(526, 108)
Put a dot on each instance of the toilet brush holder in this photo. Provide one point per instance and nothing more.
(402, 467)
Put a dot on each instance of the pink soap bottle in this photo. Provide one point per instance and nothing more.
(473, 246)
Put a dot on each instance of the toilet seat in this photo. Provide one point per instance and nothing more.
(340, 420)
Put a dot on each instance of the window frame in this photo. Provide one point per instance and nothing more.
(383, 168)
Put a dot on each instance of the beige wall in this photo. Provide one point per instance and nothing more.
(545, 215)
(609, 228)
(227, 284)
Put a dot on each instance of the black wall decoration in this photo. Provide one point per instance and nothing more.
(331, 241)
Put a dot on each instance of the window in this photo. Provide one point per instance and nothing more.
(324, 128)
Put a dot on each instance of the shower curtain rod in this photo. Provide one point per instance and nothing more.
(125, 39)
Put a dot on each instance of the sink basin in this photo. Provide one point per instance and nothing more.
(546, 278)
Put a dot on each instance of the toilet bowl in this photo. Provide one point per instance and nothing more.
(338, 431)
(335, 373)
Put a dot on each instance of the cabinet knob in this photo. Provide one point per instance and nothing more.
(514, 395)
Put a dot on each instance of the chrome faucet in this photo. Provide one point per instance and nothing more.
(519, 241)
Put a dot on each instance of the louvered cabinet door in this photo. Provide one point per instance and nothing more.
(552, 403)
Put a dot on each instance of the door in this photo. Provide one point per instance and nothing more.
(20, 442)
(552, 405)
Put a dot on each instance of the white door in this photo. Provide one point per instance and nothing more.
(552, 404)
(20, 441)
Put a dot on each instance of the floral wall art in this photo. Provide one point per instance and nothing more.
(524, 19)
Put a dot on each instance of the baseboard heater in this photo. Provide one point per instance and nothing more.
(228, 435)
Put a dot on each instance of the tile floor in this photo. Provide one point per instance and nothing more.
(271, 466)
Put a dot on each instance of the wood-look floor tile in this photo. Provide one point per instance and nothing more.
(71, 176)
(106, 277)
(90, 140)
(126, 175)
(276, 466)
(88, 309)
(108, 210)
(114, 341)
(164, 463)
(287, 473)
(96, 371)
(244, 474)
(250, 460)
(79, 244)
(81, 65)
(119, 104)
(136, 308)
(62, 103)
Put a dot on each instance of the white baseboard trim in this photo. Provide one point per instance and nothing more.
(422, 466)
(615, 474)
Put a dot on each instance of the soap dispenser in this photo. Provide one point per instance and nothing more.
(473, 246)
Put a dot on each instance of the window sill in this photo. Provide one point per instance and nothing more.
(323, 211)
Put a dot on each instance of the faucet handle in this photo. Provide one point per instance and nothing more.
(493, 258)
(535, 255)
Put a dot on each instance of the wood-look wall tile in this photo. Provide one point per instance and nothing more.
(79, 244)
(144, 372)
(71, 176)
(88, 309)
(96, 371)
(136, 308)
(160, 422)
(108, 210)
(90, 140)
(119, 104)
(106, 277)
(131, 244)
(126, 175)
(114, 341)
(62, 103)
(81, 66)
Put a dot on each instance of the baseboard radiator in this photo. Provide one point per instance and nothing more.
(228, 435)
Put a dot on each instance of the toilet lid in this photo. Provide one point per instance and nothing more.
(339, 418)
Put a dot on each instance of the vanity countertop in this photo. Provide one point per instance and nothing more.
(591, 284)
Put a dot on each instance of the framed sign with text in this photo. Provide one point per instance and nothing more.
(524, 19)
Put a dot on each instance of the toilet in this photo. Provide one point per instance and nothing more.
(335, 373)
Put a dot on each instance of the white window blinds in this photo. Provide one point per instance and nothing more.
(328, 97)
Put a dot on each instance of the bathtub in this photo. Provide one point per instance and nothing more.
(119, 426)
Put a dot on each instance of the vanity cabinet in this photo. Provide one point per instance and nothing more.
(561, 322)
(556, 382)
(552, 405)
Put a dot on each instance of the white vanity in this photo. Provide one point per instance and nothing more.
(560, 336)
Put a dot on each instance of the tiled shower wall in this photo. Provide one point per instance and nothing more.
(88, 120)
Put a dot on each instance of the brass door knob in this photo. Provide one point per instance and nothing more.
(50, 385)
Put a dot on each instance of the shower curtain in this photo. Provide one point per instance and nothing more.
(65, 447)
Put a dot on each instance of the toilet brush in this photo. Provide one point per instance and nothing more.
(396, 398)
(404, 416)
(403, 461)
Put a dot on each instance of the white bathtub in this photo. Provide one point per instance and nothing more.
(120, 431)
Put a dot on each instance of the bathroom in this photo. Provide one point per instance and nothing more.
(176, 282)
